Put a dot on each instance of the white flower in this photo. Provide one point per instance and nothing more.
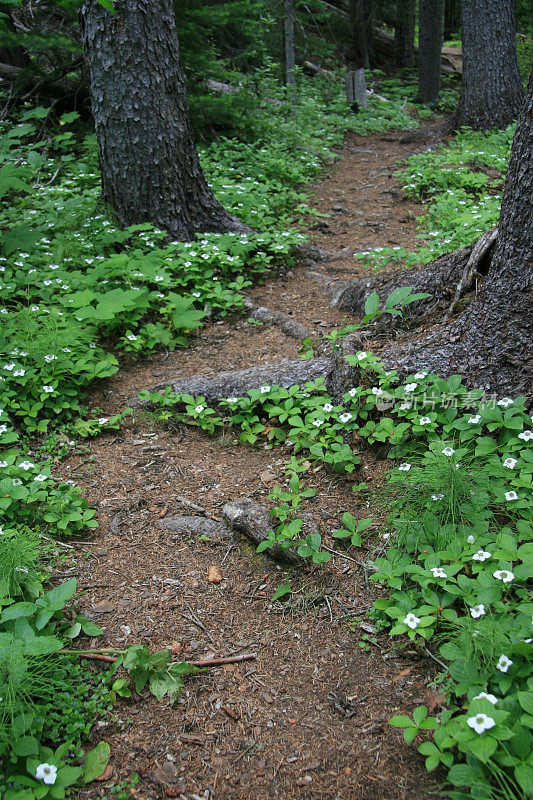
(41, 478)
(420, 375)
(471, 539)
(194, 294)
(405, 406)
(47, 773)
(159, 278)
(131, 337)
(17, 482)
(438, 572)
(19, 373)
(481, 555)
(345, 417)
(424, 421)
(21, 569)
(503, 575)
(505, 401)
(10, 367)
(199, 409)
(264, 389)
(437, 497)
(510, 463)
(3, 464)
(480, 723)
(526, 436)
(411, 621)
(475, 420)
(328, 407)
(50, 357)
(509, 496)
(448, 451)
(377, 391)
(352, 392)
(404, 467)
(3, 428)
(361, 355)
(48, 389)
(232, 399)
(484, 696)
(477, 611)
(504, 663)
(26, 465)
(410, 387)
(103, 421)
(318, 422)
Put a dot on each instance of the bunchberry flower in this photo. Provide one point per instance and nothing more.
(410, 387)
(470, 539)
(504, 575)
(480, 723)
(510, 463)
(526, 436)
(264, 389)
(345, 417)
(48, 389)
(199, 409)
(509, 496)
(505, 401)
(437, 497)
(411, 621)
(438, 572)
(481, 555)
(361, 355)
(404, 467)
(318, 422)
(424, 421)
(47, 773)
(477, 611)
(448, 451)
(328, 407)
(484, 696)
(504, 663)
(475, 420)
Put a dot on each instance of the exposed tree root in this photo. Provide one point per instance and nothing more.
(481, 247)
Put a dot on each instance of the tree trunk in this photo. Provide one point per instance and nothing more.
(361, 18)
(404, 34)
(150, 168)
(491, 89)
(290, 54)
(430, 26)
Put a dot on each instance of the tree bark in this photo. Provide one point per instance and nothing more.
(150, 168)
(430, 27)
(491, 89)
(361, 18)
(290, 54)
(404, 34)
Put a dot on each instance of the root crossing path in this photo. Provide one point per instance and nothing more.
(308, 717)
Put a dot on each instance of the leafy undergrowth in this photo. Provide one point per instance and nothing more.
(459, 533)
(461, 184)
(76, 294)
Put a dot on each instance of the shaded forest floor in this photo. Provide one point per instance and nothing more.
(308, 717)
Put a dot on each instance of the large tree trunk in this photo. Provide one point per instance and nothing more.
(430, 26)
(489, 340)
(150, 168)
(290, 52)
(361, 19)
(404, 34)
(491, 89)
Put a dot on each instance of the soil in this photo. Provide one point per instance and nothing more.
(308, 716)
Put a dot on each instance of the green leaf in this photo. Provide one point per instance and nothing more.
(524, 775)
(526, 701)
(96, 762)
(281, 591)
(26, 746)
(372, 303)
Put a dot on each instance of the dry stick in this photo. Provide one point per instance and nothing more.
(215, 662)
(435, 659)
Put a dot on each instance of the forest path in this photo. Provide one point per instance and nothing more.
(309, 716)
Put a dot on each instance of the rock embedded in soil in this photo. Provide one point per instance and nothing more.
(253, 520)
(195, 525)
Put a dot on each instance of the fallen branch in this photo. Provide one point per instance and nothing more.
(215, 662)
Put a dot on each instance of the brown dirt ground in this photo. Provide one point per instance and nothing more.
(308, 717)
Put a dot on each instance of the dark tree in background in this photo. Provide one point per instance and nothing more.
(452, 18)
(404, 34)
(150, 168)
(430, 27)
(491, 89)
(361, 22)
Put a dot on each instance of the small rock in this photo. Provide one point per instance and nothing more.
(126, 630)
(305, 780)
(267, 476)
(103, 607)
(214, 574)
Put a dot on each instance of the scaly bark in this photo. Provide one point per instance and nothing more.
(491, 89)
(150, 168)
(430, 25)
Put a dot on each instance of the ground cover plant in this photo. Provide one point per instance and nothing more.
(459, 552)
(460, 182)
(79, 296)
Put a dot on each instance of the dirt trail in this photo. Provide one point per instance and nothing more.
(309, 716)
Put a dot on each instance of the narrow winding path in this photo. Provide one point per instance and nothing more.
(309, 716)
